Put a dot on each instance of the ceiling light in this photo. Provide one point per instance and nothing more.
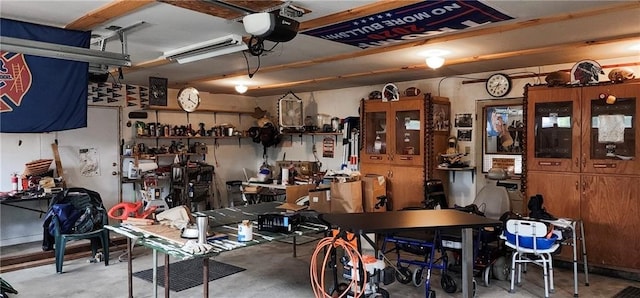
(435, 62)
(207, 49)
(58, 51)
(240, 88)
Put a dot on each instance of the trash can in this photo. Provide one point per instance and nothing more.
(234, 193)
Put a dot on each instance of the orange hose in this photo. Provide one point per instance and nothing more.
(354, 256)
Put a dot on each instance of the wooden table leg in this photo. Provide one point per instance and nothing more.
(166, 276)
(205, 278)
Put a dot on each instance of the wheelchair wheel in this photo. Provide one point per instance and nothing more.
(501, 268)
(384, 293)
(486, 276)
(403, 275)
(417, 277)
(448, 284)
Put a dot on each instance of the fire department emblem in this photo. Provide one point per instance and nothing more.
(15, 80)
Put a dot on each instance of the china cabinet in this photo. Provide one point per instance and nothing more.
(583, 157)
(398, 143)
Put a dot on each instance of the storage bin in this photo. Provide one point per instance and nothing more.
(527, 242)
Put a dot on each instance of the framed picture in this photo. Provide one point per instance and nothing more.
(464, 135)
(157, 91)
(503, 126)
(464, 120)
(441, 116)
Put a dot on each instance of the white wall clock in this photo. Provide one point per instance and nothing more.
(498, 85)
(188, 99)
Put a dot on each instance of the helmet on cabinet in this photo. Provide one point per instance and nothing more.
(621, 74)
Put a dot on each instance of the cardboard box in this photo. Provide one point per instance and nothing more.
(293, 194)
(320, 200)
(346, 197)
(373, 187)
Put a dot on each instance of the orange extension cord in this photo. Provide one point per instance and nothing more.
(354, 256)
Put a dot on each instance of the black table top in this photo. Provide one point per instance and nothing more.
(408, 219)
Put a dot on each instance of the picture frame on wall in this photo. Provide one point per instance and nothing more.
(464, 135)
(441, 117)
(158, 91)
(464, 120)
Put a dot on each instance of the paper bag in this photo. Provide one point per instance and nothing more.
(373, 187)
(320, 200)
(294, 193)
(346, 197)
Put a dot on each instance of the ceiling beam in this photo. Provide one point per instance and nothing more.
(436, 39)
(487, 57)
(106, 13)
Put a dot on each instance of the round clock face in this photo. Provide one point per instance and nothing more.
(189, 99)
(498, 85)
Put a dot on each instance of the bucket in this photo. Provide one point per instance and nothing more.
(245, 231)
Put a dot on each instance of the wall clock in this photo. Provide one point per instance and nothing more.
(188, 99)
(498, 85)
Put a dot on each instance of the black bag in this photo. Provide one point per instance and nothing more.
(77, 201)
(90, 220)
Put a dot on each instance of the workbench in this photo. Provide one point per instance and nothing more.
(28, 197)
(221, 221)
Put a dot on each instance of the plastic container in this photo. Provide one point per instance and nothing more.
(527, 242)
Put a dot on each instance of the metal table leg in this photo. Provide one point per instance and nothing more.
(205, 278)
(575, 258)
(155, 273)
(467, 263)
(584, 254)
(294, 246)
(129, 267)
(166, 275)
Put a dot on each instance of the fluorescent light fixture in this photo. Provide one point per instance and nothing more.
(435, 62)
(207, 49)
(240, 88)
(58, 51)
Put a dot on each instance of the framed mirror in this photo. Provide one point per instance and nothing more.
(502, 142)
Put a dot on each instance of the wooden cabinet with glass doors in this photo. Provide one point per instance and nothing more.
(583, 157)
(395, 144)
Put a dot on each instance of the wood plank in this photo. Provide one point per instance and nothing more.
(59, 169)
(107, 12)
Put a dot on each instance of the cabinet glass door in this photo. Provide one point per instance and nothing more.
(553, 129)
(407, 137)
(377, 135)
(610, 132)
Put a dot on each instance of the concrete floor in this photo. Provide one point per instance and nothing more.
(272, 271)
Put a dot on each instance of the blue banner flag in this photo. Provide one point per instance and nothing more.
(39, 94)
(410, 22)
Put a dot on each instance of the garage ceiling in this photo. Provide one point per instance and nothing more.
(537, 33)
